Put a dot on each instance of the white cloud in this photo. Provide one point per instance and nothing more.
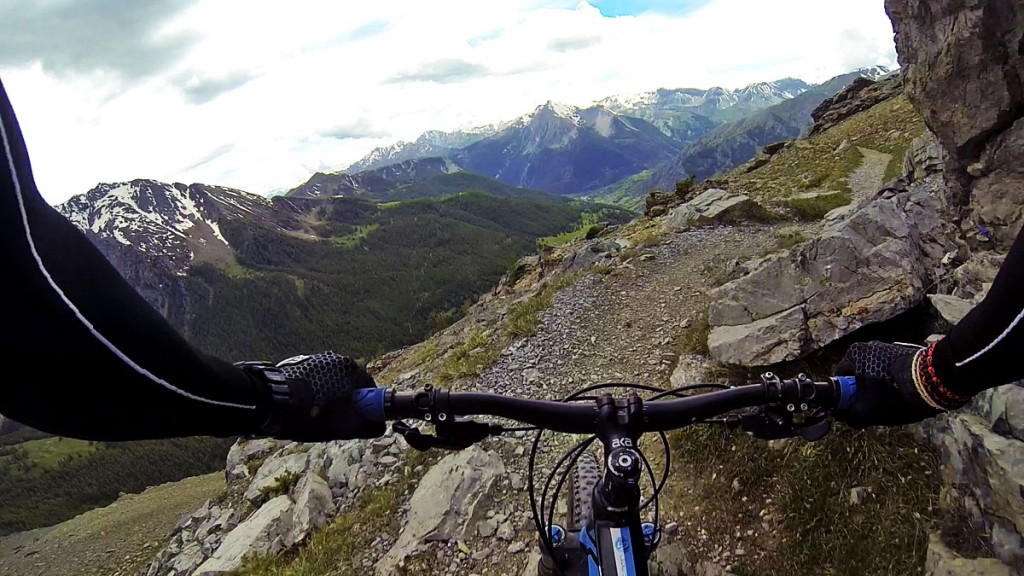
(269, 91)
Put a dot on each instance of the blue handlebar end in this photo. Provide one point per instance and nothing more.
(847, 390)
(369, 403)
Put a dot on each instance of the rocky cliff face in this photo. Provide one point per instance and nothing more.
(964, 71)
(861, 94)
(963, 66)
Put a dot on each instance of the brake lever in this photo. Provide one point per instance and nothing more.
(453, 435)
(774, 423)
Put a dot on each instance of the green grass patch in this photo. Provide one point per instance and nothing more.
(895, 167)
(236, 271)
(471, 358)
(481, 349)
(813, 164)
(283, 483)
(523, 317)
(355, 238)
(817, 529)
(425, 353)
(694, 338)
(628, 253)
(48, 452)
(338, 547)
(588, 220)
(813, 208)
(789, 237)
(647, 238)
(563, 238)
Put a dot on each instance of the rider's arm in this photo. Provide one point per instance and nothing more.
(84, 355)
(901, 385)
(983, 350)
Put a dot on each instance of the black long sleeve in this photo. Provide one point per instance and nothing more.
(83, 354)
(984, 349)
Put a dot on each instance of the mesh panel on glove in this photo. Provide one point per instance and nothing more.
(886, 394)
(329, 374)
(319, 407)
(873, 359)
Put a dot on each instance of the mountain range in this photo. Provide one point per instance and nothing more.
(732, 143)
(618, 148)
(243, 276)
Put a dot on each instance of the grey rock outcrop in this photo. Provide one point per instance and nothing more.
(941, 561)
(296, 489)
(861, 94)
(448, 504)
(997, 194)
(951, 308)
(243, 453)
(963, 71)
(273, 472)
(872, 262)
(262, 533)
(714, 206)
(773, 339)
(989, 467)
(924, 158)
(313, 508)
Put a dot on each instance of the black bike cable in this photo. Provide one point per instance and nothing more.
(521, 429)
(654, 496)
(679, 391)
(664, 476)
(608, 385)
(530, 488)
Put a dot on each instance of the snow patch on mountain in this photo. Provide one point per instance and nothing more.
(174, 221)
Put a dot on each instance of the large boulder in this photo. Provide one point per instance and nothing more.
(714, 206)
(274, 472)
(872, 262)
(246, 452)
(448, 503)
(262, 533)
(997, 197)
(989, 467)
(313, 508)
(777, 338)
(963, 71)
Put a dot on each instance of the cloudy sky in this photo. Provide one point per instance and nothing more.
(259, 94)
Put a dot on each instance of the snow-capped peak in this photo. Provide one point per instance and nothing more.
(174, 221)
(874, 72)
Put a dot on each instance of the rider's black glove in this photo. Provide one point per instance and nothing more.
(312, 398)
(894, 386)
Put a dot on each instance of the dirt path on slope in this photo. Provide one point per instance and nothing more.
(603, 328)
(112, 541)
(615, 327)
(622, 327)
(870, 175)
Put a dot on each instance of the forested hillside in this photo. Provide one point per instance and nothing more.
(35, 492)
(382, 275)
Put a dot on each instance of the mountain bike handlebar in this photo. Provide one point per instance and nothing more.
(439, 406)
